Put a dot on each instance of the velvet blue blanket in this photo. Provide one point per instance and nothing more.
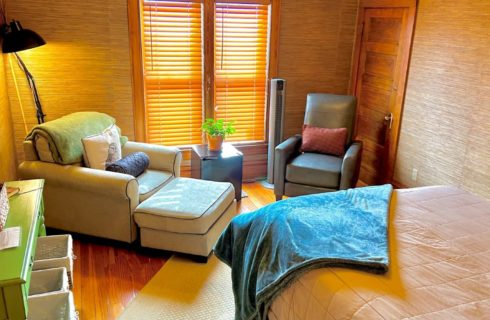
(269, 248)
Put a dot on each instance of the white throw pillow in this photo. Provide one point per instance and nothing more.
(102, 149)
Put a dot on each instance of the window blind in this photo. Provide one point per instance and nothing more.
(172, 71)
(241, 43)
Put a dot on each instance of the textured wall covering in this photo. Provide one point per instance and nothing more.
(84, 66)
(8, 162)
(315, 52)
(445, 131)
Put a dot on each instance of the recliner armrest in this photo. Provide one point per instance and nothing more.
(162, 158)
(351, 165)
(282, 155)
(89, 180)
(30, 153)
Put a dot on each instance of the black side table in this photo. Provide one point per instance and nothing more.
(223, 166)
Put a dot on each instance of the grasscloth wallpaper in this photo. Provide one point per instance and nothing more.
(85, 65)
(7, 148)
(315, 52)
(445, 131)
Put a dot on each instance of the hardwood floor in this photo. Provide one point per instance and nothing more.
(108, 275)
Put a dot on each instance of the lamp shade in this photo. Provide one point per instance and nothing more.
(18, 39)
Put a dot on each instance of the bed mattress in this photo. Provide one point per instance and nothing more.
(439, 268)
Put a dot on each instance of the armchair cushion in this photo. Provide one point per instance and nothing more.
(324, 140)
(162, 158)
(151, 181)
(102, 149)
(313, 169)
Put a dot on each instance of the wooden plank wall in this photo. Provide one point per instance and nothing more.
(445, 129)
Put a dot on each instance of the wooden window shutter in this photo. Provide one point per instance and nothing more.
(241, 45)
(172, 64)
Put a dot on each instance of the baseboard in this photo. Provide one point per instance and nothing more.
(399, 185)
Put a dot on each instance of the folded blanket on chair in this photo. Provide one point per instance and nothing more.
(269, 248)
(65, 134)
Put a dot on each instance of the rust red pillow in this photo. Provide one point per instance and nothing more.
(324, 140)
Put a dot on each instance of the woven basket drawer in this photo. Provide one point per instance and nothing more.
(48, 280)
(52, 306)
(55, 252)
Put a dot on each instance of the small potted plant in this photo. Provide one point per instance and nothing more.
(216, 131)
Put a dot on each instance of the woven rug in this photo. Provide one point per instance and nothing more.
(184, 289)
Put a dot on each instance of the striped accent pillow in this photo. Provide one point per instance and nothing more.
(324, 140)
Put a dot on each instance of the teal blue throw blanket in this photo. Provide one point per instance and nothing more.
(269, 248)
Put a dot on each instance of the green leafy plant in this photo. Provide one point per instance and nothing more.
(218, 127)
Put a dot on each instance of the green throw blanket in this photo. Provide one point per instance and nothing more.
(66, 133)
(270, 248)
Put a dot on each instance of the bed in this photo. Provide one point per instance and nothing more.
(440, 266)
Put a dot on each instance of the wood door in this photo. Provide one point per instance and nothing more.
(383, 43)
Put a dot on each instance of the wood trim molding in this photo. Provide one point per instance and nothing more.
(208, 56)
(398, 185)
(274, 38)
(136, 52)
(245, 1)
(402, 84)
(355, 55)
(273, 70)
(388, 3)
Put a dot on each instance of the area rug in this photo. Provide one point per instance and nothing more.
(184, 289)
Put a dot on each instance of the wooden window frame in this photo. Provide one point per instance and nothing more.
(136, 52)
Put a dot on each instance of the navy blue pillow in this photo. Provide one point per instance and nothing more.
(133, 164)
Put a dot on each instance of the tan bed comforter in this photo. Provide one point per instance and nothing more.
(440, 266)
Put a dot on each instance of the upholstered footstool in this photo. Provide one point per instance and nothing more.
(187, 215)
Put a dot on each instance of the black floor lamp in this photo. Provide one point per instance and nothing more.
(15, 39)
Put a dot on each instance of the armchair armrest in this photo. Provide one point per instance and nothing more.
(351, 165)
(111, 184)
(88, 201)
(282, 154)
(161, 158)
(29, 151)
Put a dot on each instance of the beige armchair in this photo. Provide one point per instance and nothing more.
(297, 173)
(97, 202)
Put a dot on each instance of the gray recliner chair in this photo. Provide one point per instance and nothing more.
(297, 173)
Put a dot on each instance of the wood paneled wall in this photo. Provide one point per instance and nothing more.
(445, 132)
(315, 52)
(8, 162)
(85, 65)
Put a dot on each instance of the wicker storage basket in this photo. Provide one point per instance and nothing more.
(48, 280)
(55, 252)
(52, 306)
(4, 206)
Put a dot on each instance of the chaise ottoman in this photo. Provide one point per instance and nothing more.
(186, 215)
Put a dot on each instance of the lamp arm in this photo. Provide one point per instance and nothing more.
(32, 85)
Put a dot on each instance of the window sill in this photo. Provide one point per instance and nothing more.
(238, 145)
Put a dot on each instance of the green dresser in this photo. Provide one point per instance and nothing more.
(26, 211)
